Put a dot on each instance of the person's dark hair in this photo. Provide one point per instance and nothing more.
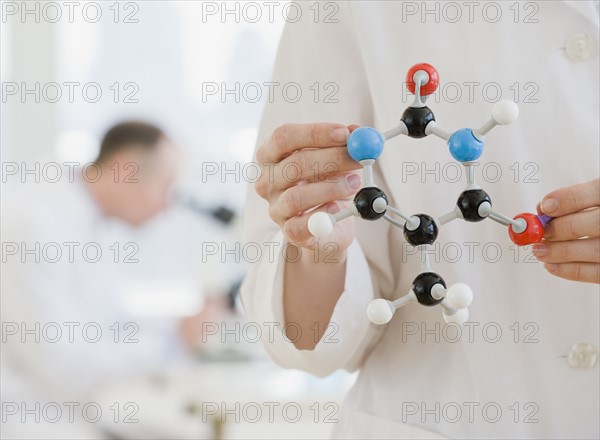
(129, 134)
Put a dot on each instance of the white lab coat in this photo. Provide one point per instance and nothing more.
(44, 295)
(410, 363)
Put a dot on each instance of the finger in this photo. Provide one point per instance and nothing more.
(584, 250)
(288, 138)
(296, 228)
(312, 165)
(538, 208)
(300, 198)
(585, 272)
(573, 226)
(571, 199)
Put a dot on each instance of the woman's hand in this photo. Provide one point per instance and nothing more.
(571, 245)
(306, 166)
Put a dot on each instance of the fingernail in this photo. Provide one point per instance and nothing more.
(340, 134)
(353, 181)
(551, 267)
(540, 250)
(549, 205)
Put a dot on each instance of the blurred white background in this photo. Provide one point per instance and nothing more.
(157, 61)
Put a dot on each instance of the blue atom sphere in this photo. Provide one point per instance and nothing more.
(464, 146)
(365, 143)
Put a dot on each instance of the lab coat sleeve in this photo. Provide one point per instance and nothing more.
(309, 53)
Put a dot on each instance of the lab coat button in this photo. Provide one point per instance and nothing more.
(582, 355)
(580, 47)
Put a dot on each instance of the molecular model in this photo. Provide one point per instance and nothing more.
(365, 145)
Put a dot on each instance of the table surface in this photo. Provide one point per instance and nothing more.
(253, 399)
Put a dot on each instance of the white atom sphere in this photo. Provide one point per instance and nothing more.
(320, 224)
(459, 317)
(505, 112)
(380, 311)
(459, 296)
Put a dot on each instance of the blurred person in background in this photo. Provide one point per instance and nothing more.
(66, 327)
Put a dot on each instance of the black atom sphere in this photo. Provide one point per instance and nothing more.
(469, 201)
(422, 285)
(363, 200)
(426, 233)
(416, 120)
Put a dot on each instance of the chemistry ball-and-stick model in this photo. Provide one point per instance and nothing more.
(365, 145)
